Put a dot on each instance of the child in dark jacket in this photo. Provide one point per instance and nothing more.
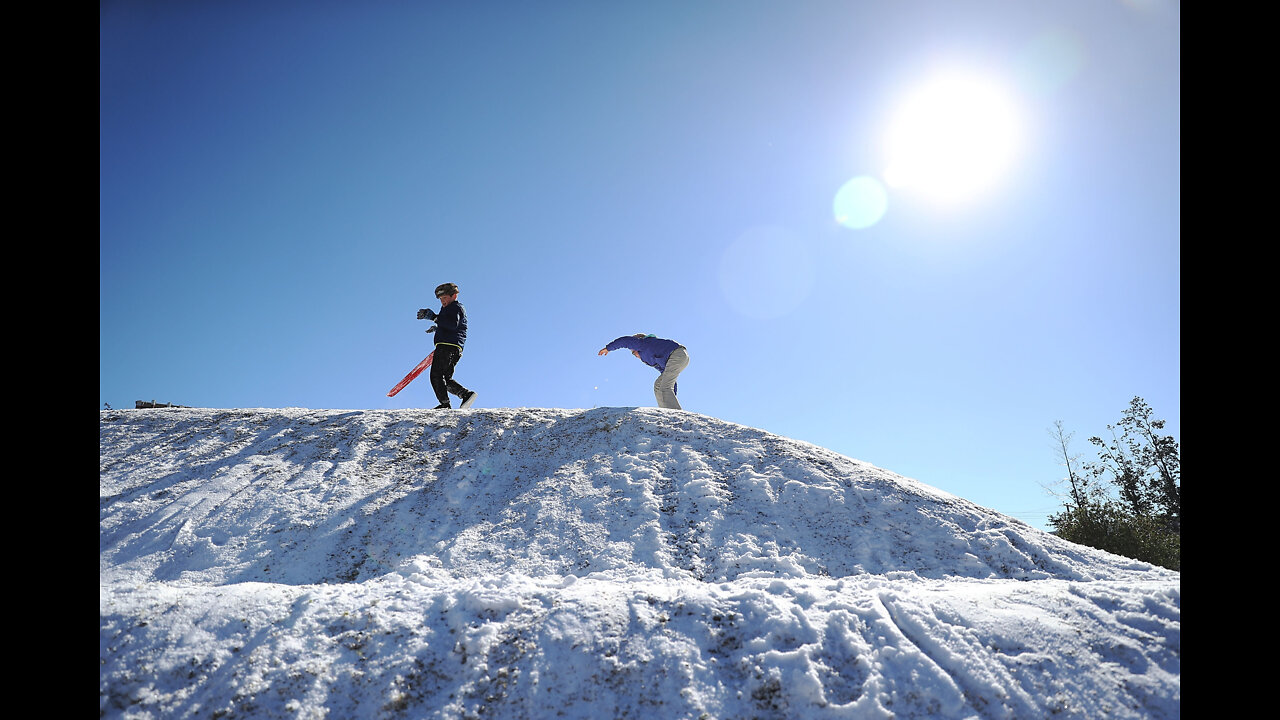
(451, 334)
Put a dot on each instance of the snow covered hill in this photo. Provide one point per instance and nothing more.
(607, 563)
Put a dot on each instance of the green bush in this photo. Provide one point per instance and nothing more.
(1109, 526)
(1129, 500)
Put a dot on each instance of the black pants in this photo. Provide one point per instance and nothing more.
(447, 357)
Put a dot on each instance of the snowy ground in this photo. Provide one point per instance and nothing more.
(607, 563)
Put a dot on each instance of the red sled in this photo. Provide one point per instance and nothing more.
(426, 362)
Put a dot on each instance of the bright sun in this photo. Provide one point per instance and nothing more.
(952, 138)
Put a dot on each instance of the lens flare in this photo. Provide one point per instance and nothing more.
(860, 203)
(1051, 60)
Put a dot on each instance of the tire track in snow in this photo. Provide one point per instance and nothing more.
(987, 689)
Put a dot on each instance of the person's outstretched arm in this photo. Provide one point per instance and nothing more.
(626, 341)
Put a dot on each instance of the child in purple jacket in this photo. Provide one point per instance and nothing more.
(668, 356)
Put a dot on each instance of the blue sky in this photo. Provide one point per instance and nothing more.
(283, 184)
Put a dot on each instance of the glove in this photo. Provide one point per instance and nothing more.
(431, 329)
(426, 314)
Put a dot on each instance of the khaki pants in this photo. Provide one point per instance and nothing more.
(664, 388)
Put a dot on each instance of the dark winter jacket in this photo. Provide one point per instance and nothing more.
(654, 351)
(451, 325)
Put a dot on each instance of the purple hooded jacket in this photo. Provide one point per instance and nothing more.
(654, 351)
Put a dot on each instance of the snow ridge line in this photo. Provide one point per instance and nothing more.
(540, 492)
